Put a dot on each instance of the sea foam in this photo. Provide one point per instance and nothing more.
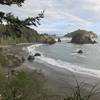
(62, 64)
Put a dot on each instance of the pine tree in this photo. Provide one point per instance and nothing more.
(15, 21)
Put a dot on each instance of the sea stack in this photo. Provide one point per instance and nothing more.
(82, 37)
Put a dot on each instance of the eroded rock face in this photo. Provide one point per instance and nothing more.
(82, 37)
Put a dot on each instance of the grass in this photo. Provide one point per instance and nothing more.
(80, 93)
(23, 85)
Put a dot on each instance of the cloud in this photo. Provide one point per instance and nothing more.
(61, 16)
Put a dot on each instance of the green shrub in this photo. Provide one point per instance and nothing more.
(79, 94)
(23, 86)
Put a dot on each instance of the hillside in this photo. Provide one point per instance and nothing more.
(12, 35)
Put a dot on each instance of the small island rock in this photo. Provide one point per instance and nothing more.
(82, 37)
(80, 52)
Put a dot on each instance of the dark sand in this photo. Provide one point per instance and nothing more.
(62, 79)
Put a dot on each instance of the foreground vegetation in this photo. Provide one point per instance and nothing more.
(20, 84)
(24, 86)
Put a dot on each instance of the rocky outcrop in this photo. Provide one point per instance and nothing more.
(48, 40)
(59, 40)
(92, 34)
(83, 37)
(37, 54)
(80, 52)
(30, 58)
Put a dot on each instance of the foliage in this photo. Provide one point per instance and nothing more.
(15, 22)
(23, 86)
(78, 94)
(9, 35)
(9, 2)
(3, 58)
(17, 30)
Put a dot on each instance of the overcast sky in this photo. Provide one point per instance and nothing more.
(61, 16)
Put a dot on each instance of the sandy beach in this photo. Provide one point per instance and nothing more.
(62, 79)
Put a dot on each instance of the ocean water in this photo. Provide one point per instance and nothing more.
(67, 52)
(64, 55)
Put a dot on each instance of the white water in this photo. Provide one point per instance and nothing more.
(63, 64)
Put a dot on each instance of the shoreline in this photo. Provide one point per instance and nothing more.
(62, 64)
(56, 68)
(61, 78)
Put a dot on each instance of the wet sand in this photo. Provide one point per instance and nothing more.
(63, 79)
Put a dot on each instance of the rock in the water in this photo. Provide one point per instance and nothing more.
(92, 34)
(83, 37)
(80, 52)
(37, 54)
(30, 58)
(59, 40)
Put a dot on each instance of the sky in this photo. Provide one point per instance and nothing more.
(61, 16)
